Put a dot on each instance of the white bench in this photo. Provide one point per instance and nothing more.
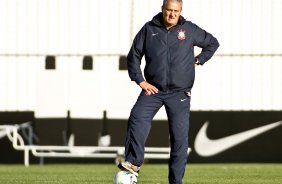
(72, 151)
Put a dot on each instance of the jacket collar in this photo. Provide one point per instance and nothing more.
(158, 20)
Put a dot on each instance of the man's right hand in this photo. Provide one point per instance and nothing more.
(148, 88)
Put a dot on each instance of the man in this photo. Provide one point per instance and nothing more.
(167, 42)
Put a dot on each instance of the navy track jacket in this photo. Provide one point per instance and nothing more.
(169, 54)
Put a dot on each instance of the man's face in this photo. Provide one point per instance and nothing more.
(171, 13)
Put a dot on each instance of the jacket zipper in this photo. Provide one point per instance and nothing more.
(168, 61)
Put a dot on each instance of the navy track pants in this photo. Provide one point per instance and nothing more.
(177, 106)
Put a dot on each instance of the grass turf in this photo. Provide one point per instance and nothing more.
(150, 174)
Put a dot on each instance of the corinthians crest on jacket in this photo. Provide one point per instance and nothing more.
(181, 34)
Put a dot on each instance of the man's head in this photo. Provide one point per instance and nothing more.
(171, 12)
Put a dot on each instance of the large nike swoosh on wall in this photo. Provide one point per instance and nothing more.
(206, 147)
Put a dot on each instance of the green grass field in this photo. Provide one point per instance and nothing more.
(150, 174)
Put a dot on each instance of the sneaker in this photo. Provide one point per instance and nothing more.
(127, 166)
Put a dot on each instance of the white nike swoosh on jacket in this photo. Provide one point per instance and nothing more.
(206, 147)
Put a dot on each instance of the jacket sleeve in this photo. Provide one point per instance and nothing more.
(207, 42)
(134, 57)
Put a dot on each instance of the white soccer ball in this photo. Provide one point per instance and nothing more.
(125, 177)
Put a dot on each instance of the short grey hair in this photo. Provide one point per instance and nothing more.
(179, 1)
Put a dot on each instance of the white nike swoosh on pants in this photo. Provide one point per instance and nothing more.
(206, 147)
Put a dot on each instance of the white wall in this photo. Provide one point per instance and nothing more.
(244, 75)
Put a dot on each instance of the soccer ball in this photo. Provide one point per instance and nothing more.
(125, 177)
